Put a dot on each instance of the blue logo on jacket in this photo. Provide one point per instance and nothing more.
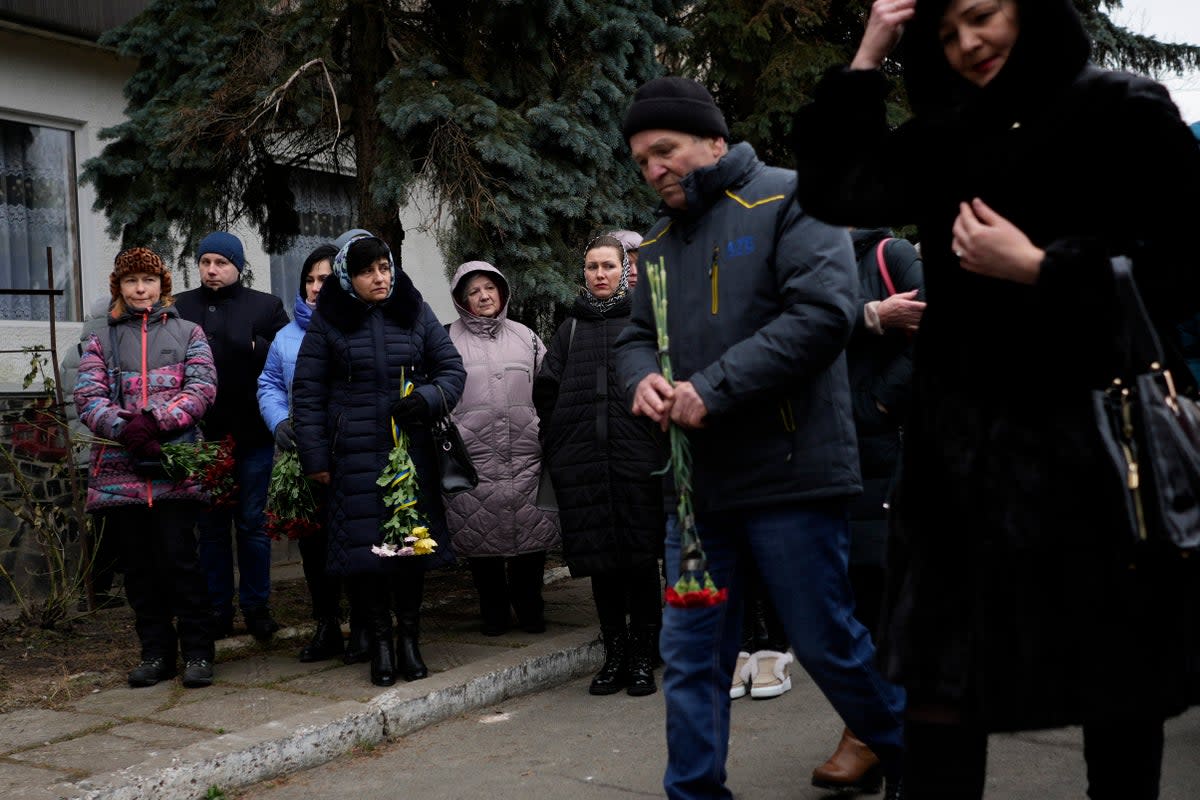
(739, 247)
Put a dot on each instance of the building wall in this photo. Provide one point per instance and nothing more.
(65, 83)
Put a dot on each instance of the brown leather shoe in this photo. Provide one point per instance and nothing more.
(852, 766)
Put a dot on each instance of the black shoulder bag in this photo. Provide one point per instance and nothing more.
(1150, 433)
(454, 463)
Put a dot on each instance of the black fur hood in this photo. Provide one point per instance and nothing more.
(1051, 49)
(346, 312)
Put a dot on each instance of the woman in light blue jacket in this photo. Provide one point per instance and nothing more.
(274, 401)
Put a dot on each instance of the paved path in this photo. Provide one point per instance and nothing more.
(516, 722)
(269, 715)
(564, 743)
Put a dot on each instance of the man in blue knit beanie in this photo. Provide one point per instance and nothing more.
(241, 323)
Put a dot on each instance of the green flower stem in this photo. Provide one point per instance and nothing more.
(691, 552)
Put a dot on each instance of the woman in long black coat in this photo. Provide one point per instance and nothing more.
(601, 459)
(371, 329)
(1017, 599)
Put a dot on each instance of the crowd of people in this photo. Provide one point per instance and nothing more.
(908, 501)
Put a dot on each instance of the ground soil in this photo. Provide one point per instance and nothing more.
(95, 650)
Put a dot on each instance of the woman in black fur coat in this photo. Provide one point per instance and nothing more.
(1017, 598)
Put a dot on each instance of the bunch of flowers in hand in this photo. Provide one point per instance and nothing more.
(292, 511)
(403, 533)
(695, 587)
(208, 462)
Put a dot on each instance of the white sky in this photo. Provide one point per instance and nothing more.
(1169, 21)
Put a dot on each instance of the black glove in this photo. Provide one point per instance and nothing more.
(410, 410)
(140, 434)
(285, 437)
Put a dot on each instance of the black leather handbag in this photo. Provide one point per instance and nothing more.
(1150, 433)
(454, 463)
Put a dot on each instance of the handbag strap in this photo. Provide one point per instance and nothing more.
(883, 270)
(445, 403)
(1136, 335)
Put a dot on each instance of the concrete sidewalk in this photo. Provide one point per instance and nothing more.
(268, 715)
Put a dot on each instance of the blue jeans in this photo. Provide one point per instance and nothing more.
(253, 474)
(801, 553)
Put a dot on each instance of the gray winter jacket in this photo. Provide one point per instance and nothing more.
(499, 425)
(762, 301)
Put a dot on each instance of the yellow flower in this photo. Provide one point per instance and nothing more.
(424, 547)
(421, 532)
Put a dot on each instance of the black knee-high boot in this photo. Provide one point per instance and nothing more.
(383, 654)
(409, 587)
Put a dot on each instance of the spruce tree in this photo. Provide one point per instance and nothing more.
(503, 116)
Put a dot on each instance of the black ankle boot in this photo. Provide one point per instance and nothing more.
(641, 663)
(615, 672)
(326, 641)
(383, 653)
(408, 655)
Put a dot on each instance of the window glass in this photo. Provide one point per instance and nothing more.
(325, 203)
(37, 210)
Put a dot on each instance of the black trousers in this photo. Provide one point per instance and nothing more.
(324, 589)
(949, 762)
(164, 582)
(514, 581)
(400, 588)
(633, 591)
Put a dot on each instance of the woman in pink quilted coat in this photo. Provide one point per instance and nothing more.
(498, 525)
(146, 378)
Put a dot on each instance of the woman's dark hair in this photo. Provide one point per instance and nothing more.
(605, 240)
(363, 253)
(322, 253)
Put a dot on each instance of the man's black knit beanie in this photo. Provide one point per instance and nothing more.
(674, 104)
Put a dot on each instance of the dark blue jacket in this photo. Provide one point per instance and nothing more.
(347, 378)
(762, 302)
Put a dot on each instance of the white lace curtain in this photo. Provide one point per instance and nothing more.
(37, 210)
(325, 203)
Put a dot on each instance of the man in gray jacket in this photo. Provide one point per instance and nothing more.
(762, 301)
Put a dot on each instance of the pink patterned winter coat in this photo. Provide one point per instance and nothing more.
(165, 365)
(499, 425)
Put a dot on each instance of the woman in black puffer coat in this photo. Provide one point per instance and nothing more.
(370, 329)
(602, 459)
